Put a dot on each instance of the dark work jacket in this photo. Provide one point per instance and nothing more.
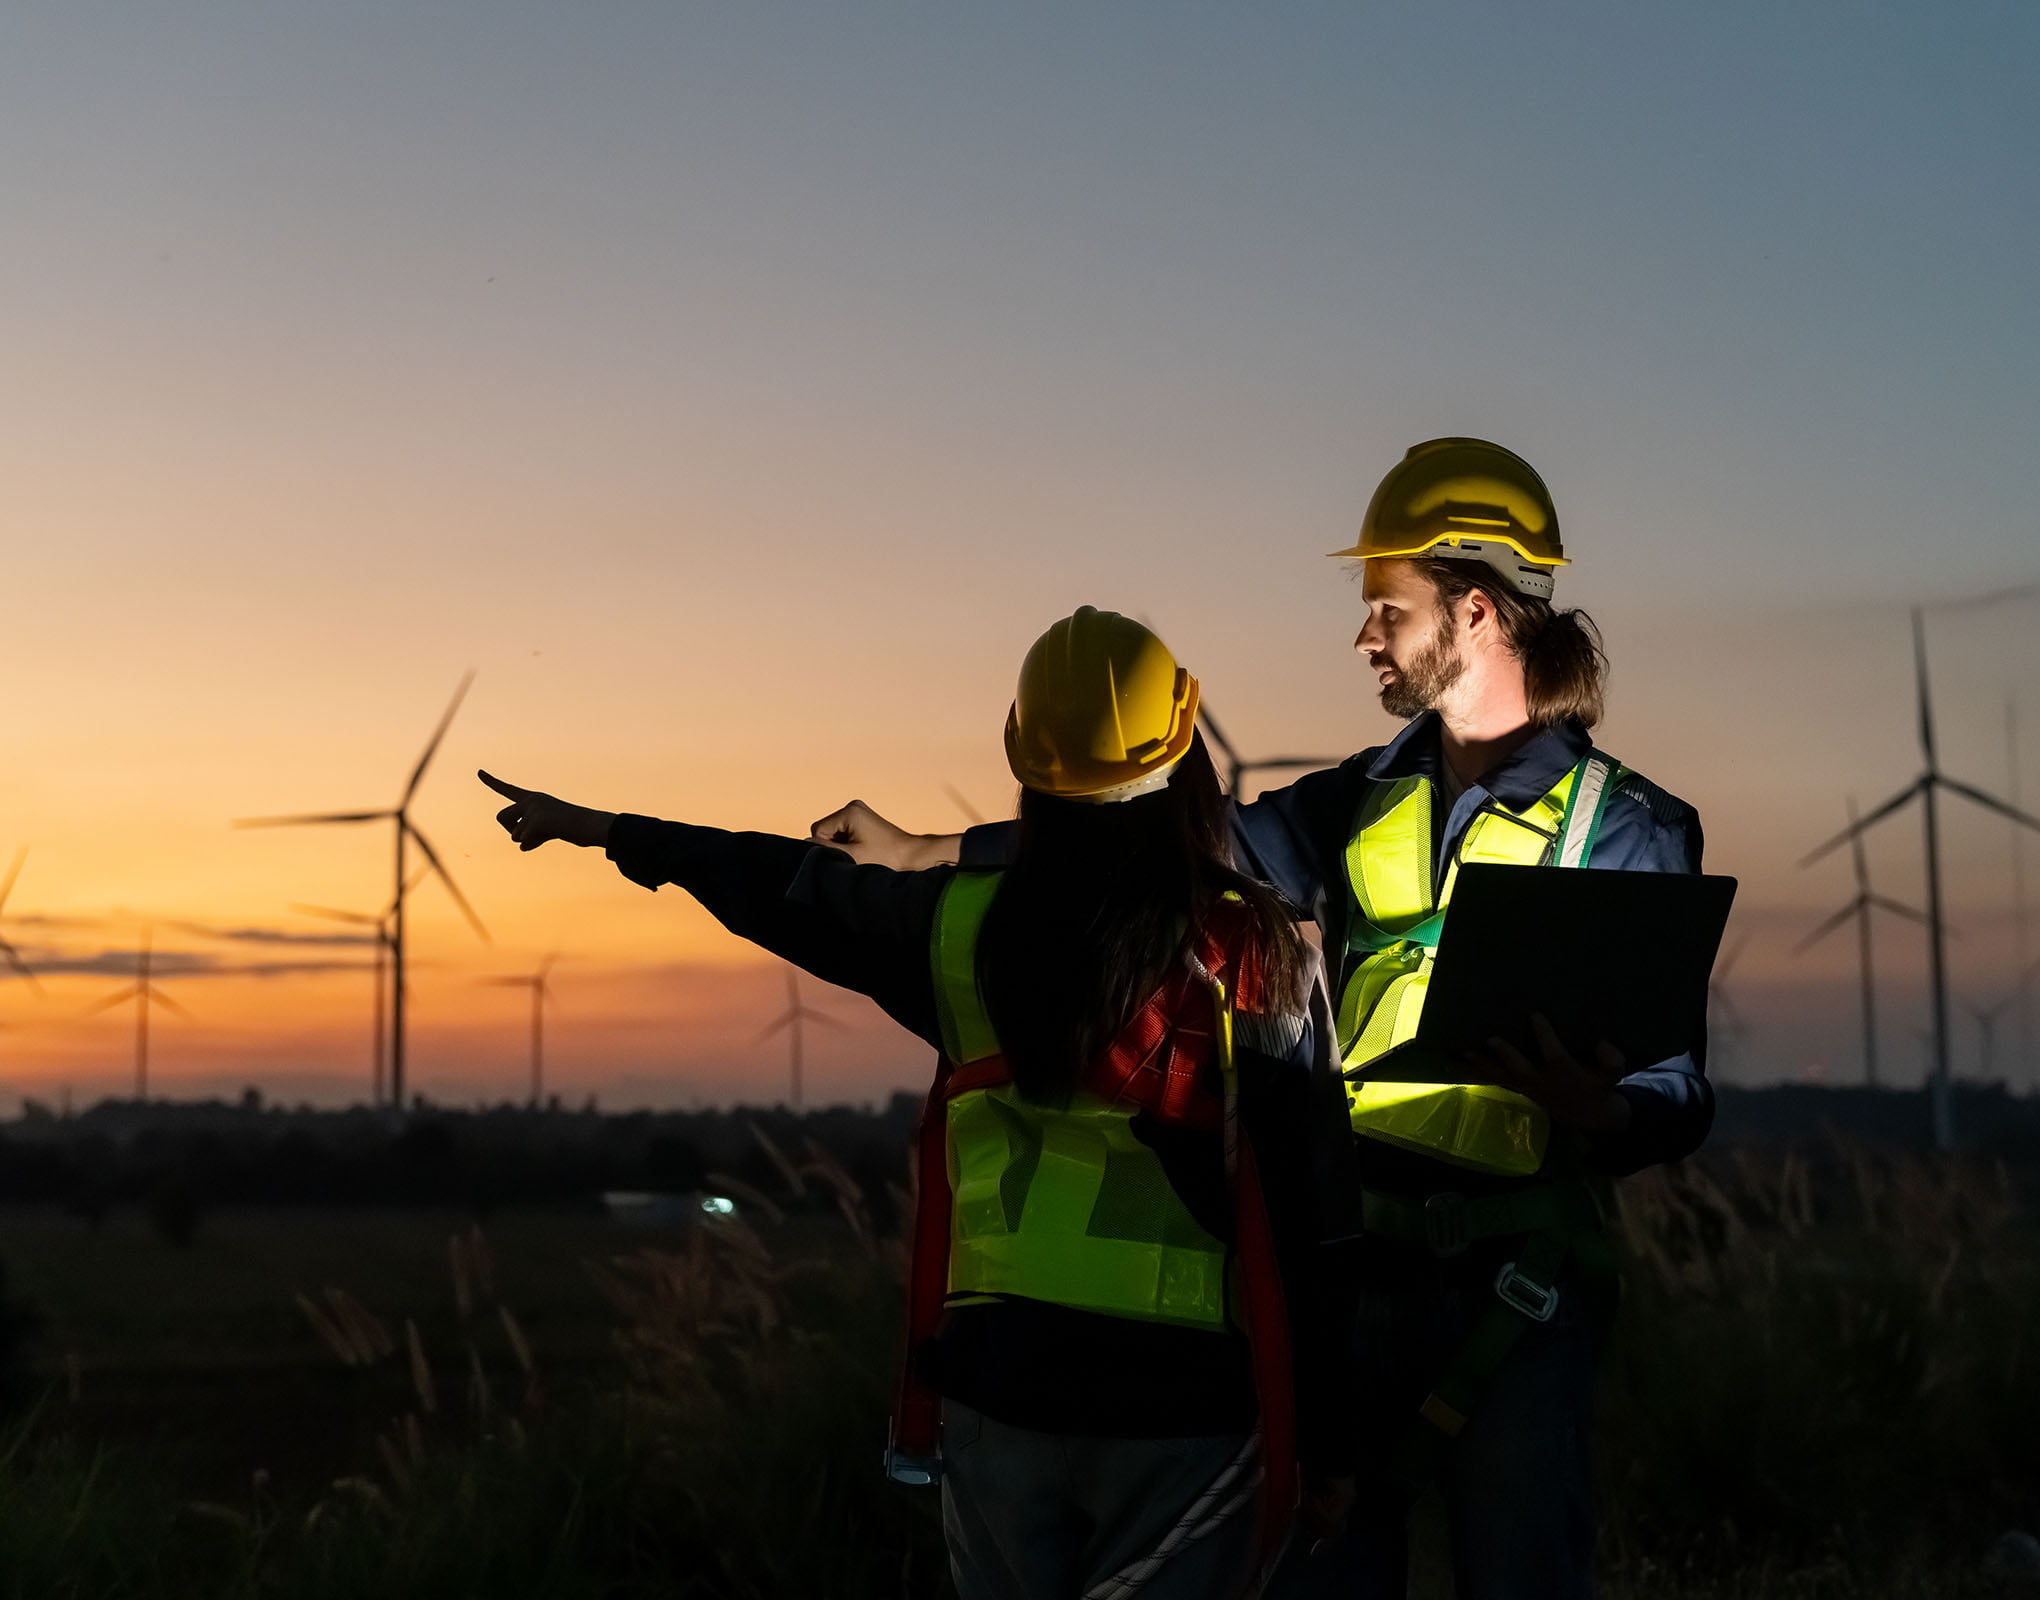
(1025, 1362)
(1294, 839)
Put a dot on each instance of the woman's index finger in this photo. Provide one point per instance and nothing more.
(507, 789)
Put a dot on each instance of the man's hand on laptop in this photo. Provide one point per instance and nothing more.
(1579, 1094)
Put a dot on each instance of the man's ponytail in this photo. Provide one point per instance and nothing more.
(1565, 669)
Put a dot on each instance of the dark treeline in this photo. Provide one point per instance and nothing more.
(179, 1158)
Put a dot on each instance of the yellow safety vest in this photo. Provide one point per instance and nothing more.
(1393, 922)
(1065, 1205)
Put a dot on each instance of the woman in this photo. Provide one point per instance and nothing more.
(1114, 1190)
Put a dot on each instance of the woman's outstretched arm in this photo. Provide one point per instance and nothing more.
(862, 928)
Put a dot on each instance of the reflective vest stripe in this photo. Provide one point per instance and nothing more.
(1596, 787)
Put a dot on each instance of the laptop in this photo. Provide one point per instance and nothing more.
(1621, 956)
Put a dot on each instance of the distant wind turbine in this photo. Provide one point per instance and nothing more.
(1986, 1018)
(11, 955)
(1866, 901)
(380, 922)
(405, 829)
(1237, 767)
(791, 1019)
(143, 991)
(540, 993)
(1926, 788)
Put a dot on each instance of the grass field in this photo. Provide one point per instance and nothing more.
(1822, 1386)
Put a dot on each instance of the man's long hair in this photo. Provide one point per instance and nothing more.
(1565, 669)
(1099, 904)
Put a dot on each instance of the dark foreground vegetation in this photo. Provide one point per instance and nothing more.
(1823, 1383)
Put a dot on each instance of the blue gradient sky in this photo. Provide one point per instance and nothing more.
(740, 389)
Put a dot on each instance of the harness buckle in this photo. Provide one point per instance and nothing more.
(1535, 1300)
(1445, 1224)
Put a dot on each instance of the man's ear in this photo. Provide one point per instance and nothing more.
(1477, 615)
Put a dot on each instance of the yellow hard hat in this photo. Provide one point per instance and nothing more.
(1466, 500)
(1102, 712)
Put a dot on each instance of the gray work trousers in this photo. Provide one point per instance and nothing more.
(1057, 1516)
(1517, 1484)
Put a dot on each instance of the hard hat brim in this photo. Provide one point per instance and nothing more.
(1417, 547)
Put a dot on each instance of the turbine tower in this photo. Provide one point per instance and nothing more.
(1926, 788)
(8, 953)
(380, 923)
(1237, 767)
(143, 991)
(2023, 1015)
(1866, 901)
(540, 993)
(1731, 1030)
(405, 830)
(791, 1019)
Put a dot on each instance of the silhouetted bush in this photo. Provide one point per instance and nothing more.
(172, 1209)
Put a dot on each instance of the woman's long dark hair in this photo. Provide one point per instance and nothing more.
(1100, 902)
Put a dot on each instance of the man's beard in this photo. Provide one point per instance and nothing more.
(1430, 671)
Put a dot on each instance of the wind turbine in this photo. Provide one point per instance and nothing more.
(1926, 788)
(405, 829)
(791, 1019)
(540, 993)
(142, 991)
(11, 955)
(380, 922)
(1986, 1017)
(1866, 901)
(1731, 1030)
(1237, 767)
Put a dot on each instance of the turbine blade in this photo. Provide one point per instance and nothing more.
(13, 872)
(1991, 803)
(824, 1018)
(164, 1000)
(1869, 821)
(1274, 762)
(446, 878)
(1839, 919)
(111, 1001)
(1926, 698)
(331, 914)
(313, 816)
(1899, 909)
(438, 733)
(14, 960)
(774, 1027)
(1217, 733)
(949, 789)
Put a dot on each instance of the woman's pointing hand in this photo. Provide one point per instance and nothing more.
(532, 817)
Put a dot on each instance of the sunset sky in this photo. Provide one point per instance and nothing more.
(738, 390)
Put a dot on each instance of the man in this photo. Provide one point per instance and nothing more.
(1486, 1279)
